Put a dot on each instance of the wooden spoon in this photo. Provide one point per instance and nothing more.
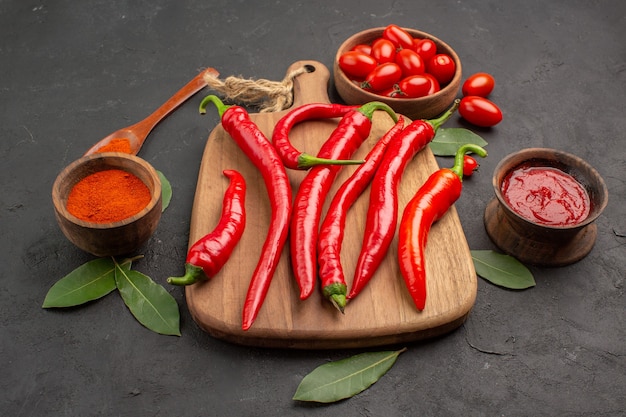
(136, 134)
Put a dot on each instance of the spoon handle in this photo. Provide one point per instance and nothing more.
(143, 128)
(136, 134)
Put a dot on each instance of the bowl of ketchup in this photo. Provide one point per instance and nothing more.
(545, 206)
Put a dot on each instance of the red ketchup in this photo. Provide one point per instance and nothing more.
(546, 196)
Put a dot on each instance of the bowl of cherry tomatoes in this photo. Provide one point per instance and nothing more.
(415, 73)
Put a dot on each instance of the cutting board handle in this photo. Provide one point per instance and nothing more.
(311, 86)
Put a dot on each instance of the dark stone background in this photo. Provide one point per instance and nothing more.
(72, 72)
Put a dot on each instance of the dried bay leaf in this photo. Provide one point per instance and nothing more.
(166, 191)
(148, 301)
(88, 282)
(345, 378)
(502, 270)
(448, 140)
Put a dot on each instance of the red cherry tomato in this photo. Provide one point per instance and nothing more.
(393, 92)
(357, 64)
(479, 84)
(366, 49)
(469, 165)
(480, 111)
(383, 50)
(426, 48)
(400, 37)
(415, 86)
(435, 84)
(442, 67)
(382, 77)
(410, 62)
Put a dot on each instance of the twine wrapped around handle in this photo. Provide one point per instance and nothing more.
(267, 95)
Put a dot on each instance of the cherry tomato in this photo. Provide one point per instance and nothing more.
(415, 86)
(442, 67)
(426, 48)
(357, 64)
(382, 77)
(479, 84)
(383, 50)
(435, 84)
(469, 165)
(366, 49)
(393, 92)
(410, 62)
(400, 37)
(480, 111)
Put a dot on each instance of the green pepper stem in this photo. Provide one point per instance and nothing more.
(221, 107)
(192, 275)
(336, 294)
(368, 110)
(436, 123)
(460, 153)
(339, 301)
(307, 161)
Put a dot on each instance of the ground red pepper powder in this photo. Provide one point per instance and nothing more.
(116, 145)
(108, 196)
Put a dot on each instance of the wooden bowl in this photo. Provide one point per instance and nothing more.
(414, 108)
(540, 244)
(108, 239)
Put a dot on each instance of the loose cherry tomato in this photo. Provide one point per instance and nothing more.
(469, 165)
(410, 62)
(426, 48)
(480, 111)
(382, 77)
(357, 64)
(442, 67)
(400, 37)
(479, 84)
(366, 49)
(415, 86)
(383, 50)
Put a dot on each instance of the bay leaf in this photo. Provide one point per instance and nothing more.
(148, 301)
(345, 378)
(502, 270)
(88, 282)
(166, 191)
(448, 140)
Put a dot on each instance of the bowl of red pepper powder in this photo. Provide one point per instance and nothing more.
(108, 204)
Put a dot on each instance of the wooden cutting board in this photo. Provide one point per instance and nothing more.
(383, 313)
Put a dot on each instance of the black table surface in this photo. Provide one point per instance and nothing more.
(73, 72)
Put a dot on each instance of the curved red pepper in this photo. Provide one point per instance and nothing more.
(349, 134)
(261, 152)
(382, 214)
(332, 230)
(208, 255)
(429, 204)
(294, 159)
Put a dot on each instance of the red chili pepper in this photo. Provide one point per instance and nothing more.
(469, 165)
(262, 154)
(350, 133)
(292, 157)
(208, 255)
(429, 204)
(332, 230)
(382, 214)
